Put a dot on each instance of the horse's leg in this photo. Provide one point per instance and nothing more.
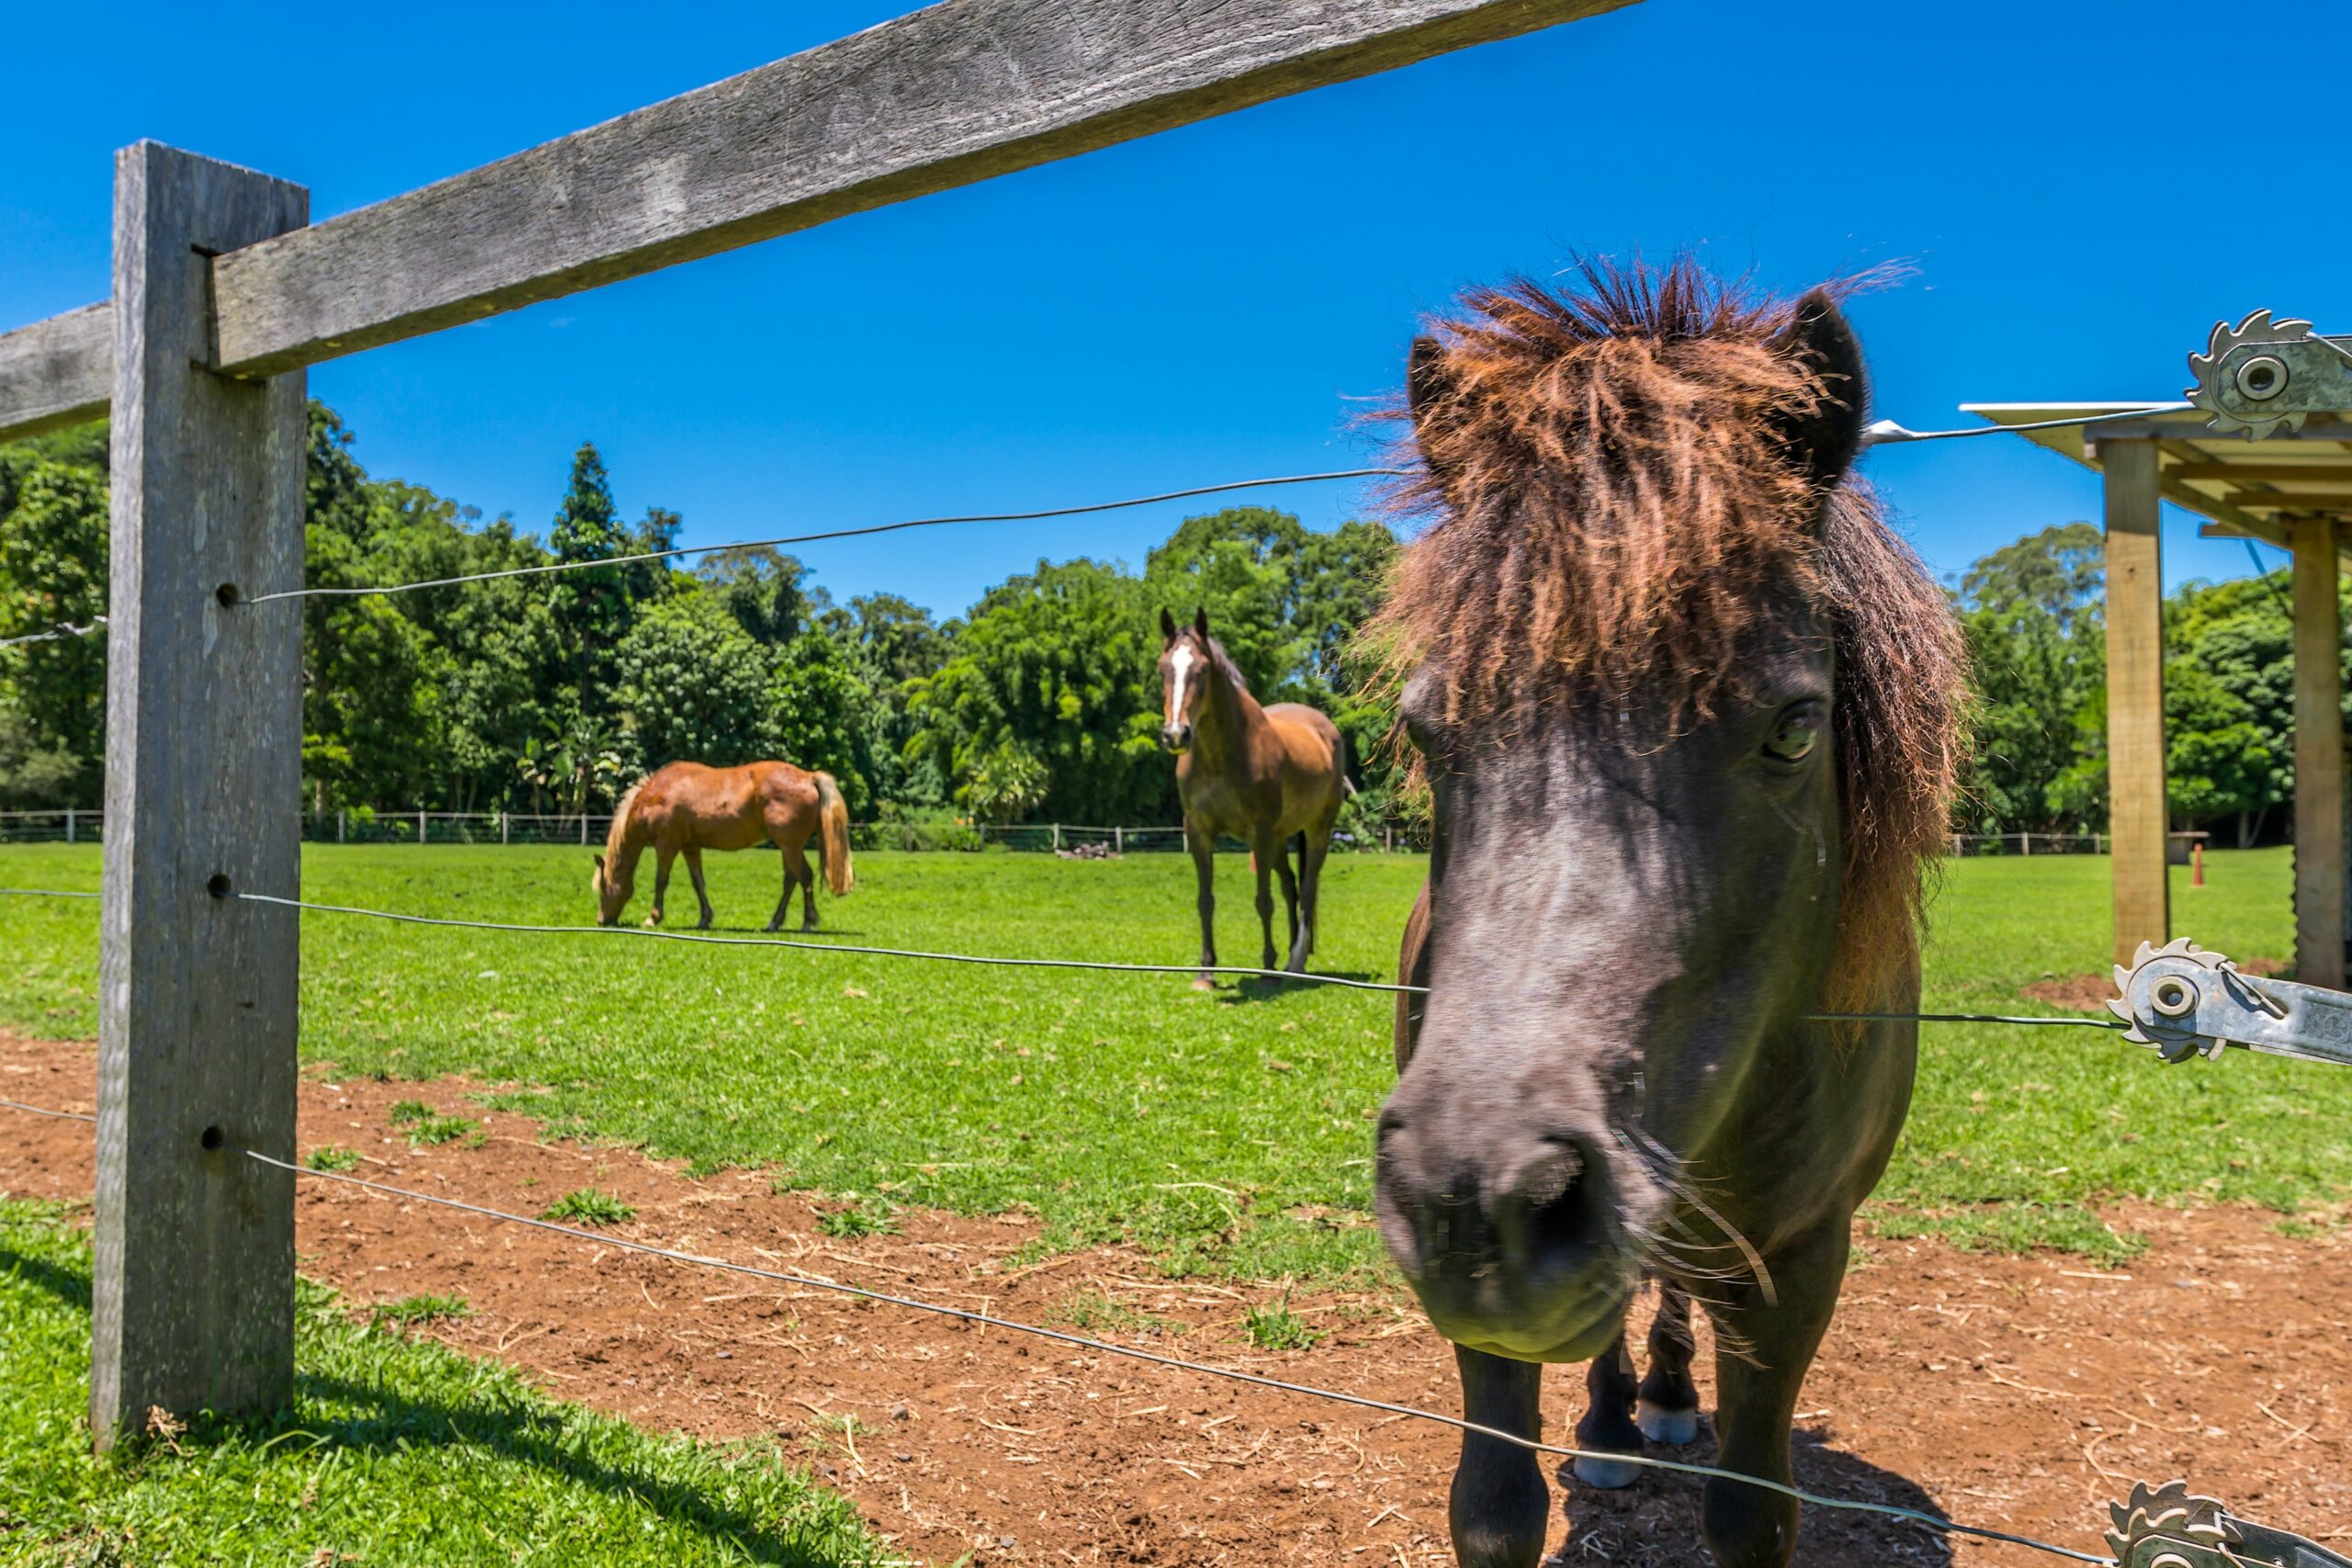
(1756, 1397)
(662, 855)
(1267, 855)
(1668, 1408)
(1316, 846)
(1290, 903)
(702, 894)
(1500, 1506)
(793, 863)
(1608, 1425)
(1203, 847)
(808, 895)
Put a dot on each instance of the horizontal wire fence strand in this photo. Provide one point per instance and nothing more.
(1038, 515)
(993, 961)
(1060, 962)
(38, 1111)
(57, 633)
(1886, 433)
(700, 939)
(860, 1292)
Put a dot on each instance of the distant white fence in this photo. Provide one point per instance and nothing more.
(353, 826)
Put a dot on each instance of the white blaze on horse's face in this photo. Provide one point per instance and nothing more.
(1176, 728)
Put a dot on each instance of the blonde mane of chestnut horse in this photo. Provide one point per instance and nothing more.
(685, 808)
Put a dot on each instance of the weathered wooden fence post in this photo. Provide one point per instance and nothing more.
(193, 1302)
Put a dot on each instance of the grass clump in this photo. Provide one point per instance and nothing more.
(393, 1450)
(860, 1218)
(587, 1206)
(1277, 1327)
(1097, 1313)
(427, 1127)
(332, 1157)
(409, 1311)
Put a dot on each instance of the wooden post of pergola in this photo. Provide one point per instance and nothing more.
(2135, 696)
(2319, 756)
(2292, 490)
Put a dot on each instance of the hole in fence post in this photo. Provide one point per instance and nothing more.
(212, 1138)
(218, 885)
(228, 595)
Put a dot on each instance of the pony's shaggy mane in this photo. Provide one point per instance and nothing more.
(1614, 515)
(616, 836)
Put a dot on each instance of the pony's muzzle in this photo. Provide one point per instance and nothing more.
(1176, 737)
(1503, 1233)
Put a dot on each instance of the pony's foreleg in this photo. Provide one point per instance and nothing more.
(1203, 847)
(702, 895)
(1268, 855)
(662, 855)
(807, 892)
(1608, 1425)
(1499, 1505)
(1668, 1408)
(1756, 1395)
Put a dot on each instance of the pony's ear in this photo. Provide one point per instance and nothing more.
(1167, 625)
(600, 865)
(1429, 397)
(1822, 441)
(1201, 624)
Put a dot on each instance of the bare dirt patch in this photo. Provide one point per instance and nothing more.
(2015, 1392)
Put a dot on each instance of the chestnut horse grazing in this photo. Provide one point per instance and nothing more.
(1274, 776)
(686, 809)
(1691, 714)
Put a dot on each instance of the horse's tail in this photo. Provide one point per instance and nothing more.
(833, 818)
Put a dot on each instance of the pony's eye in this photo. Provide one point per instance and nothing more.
(1795, 735)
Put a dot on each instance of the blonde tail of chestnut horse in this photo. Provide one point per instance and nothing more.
(833, 817)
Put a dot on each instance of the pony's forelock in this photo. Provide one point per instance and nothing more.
(1610, 514)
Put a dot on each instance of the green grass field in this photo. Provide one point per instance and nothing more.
(395, 1450)
(1130, 1107)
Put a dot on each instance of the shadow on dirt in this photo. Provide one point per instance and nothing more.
(1655, 1522)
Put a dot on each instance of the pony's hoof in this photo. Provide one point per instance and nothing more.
(1203, 983)
(1607, 1474)
(652, 919)
(1659, 1424)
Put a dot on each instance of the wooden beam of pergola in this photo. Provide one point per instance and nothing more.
(946, 96)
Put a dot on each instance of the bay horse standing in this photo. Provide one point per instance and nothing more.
(1272, 776)
(1690, 713)
(686, 809)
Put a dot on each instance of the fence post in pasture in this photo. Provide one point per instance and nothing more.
(1118, 840)
(69, 824)
(1057, 837)
(2025, 844)
(420, 826)
(193, 1293)
(339, 815)
(583, 829)
(505, 824)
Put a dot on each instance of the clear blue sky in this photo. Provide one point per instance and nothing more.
(1204, 305)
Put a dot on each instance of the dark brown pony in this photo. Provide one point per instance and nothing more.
(1271, 776)
(1689, 712)
(686, 809)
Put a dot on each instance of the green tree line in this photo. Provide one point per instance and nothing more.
(553, 693)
